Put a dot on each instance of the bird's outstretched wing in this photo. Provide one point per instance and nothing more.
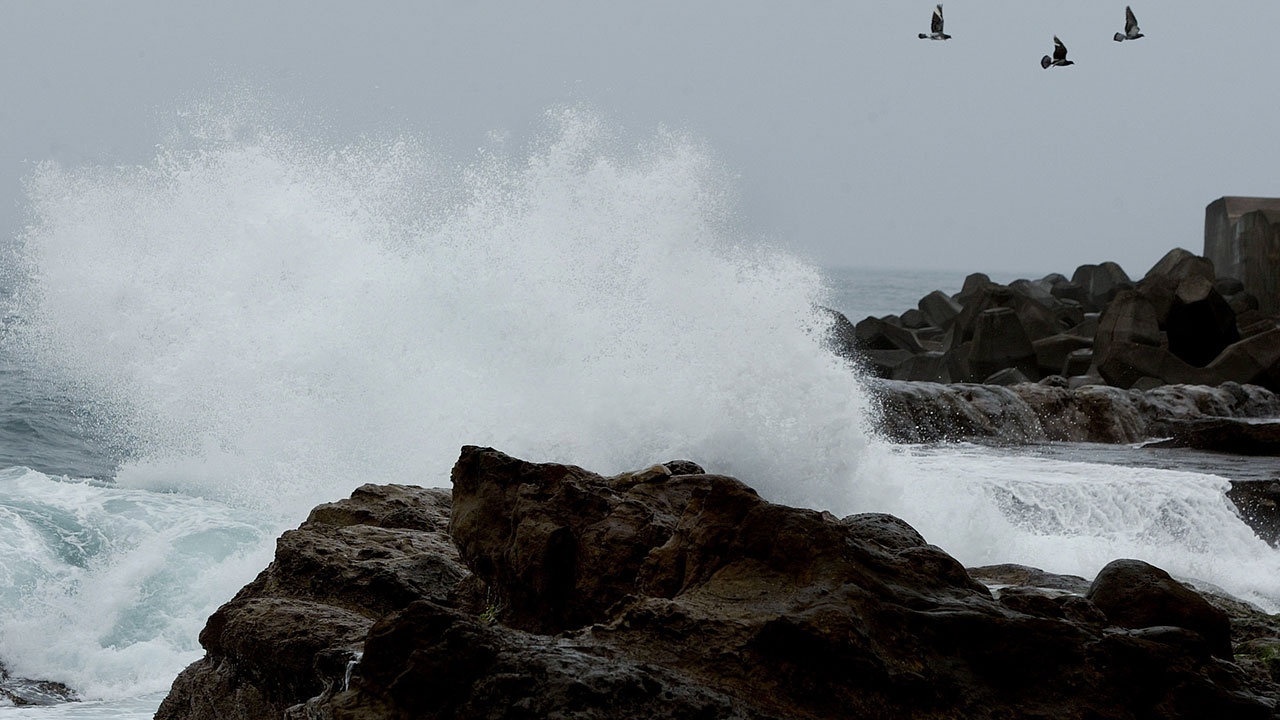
(1130, 22)
(1059, 50)
(937, 20)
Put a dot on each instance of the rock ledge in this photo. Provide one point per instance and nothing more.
(545, 591)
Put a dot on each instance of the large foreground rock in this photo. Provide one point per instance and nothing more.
(671, 593)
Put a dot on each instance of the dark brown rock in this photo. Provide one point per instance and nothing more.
(1135, 594)
(671, 593)
(347, 565)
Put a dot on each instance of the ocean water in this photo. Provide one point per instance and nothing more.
(200, 348)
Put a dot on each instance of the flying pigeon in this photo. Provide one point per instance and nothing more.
(1131, 31)
(1059, 55)
(937, 33)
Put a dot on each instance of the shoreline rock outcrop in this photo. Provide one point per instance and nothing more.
(544, 590)
(912, 411)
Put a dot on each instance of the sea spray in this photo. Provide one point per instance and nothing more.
(269, 321)
(105, 588)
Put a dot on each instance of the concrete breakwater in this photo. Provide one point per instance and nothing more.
(1181, 323)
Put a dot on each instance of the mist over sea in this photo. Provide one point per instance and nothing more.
(200, 348)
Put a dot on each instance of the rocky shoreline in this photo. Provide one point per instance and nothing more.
(545, 590)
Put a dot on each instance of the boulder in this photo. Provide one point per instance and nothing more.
(1135, 594)
(347, 565)
(672, 593)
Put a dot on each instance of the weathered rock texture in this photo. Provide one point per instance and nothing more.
(1029, 412)
(672, 593)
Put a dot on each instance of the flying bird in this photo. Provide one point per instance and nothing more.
(937, 33)
(1131, 31)
(1059, 55)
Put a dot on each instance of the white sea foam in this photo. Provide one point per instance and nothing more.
(107, 587)
(1071, 517)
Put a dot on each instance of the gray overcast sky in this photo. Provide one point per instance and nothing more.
(853, 141)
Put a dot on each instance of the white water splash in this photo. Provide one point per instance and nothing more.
(1070, 517)
(267, 321)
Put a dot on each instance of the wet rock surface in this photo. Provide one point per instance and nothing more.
(545, 590)
(22, 692)
(1227, 435)
(934, 412)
